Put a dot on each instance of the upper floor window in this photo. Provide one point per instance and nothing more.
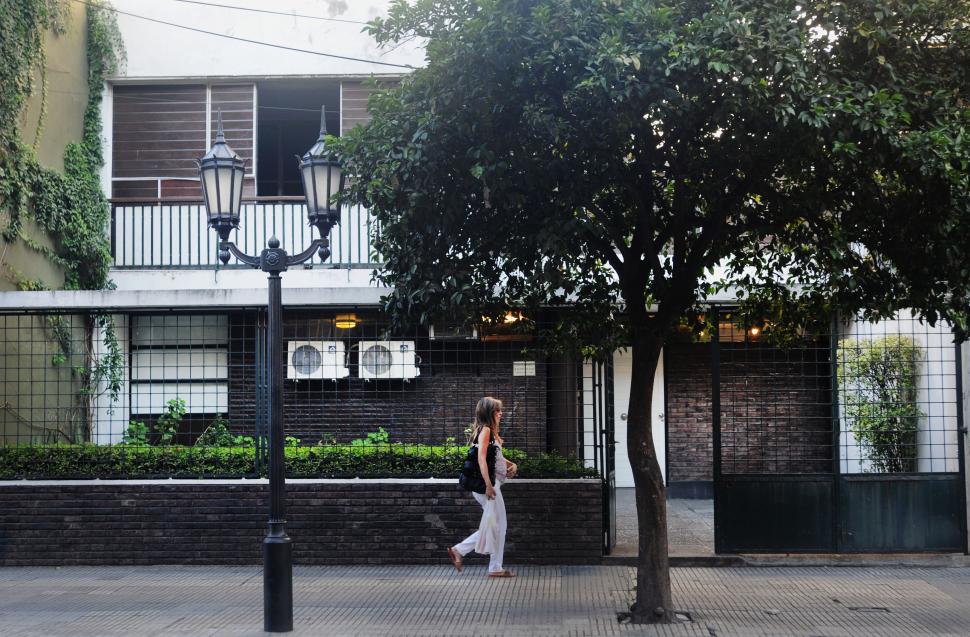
(159, 130)
(288, 123)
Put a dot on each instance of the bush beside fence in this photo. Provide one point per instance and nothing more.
(371, 461)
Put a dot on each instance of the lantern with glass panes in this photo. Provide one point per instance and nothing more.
(221, 172)
(322, 179)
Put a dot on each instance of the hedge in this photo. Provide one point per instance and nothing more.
(378, 461)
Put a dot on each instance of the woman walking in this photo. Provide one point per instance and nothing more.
(494, 470)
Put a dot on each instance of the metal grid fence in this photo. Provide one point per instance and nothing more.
(898, 405)
(775, 401)
(195, 382)
(849, 397)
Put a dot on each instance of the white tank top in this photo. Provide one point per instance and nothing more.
(500, 467)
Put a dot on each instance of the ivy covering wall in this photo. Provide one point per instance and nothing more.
(69, 206)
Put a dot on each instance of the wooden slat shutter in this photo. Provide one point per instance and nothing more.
(158, 131)
(353, 102)
(236, 103)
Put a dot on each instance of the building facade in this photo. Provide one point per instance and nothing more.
(190, 330)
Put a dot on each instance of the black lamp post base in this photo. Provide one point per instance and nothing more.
(277, 582)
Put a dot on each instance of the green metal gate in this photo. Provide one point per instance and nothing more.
(847, 439)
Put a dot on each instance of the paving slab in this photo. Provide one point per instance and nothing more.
(434, 600)
(690, 526)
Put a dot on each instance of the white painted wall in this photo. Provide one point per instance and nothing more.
(937, 443)
(161, 51)
(298, 278)
(589, 418)
(965, 364)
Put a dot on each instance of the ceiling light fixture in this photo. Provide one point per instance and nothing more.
(345, 321)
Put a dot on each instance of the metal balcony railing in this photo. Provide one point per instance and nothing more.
(173, 234)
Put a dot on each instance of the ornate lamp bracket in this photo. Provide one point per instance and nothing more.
(274, 260)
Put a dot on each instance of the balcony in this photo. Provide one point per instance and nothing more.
(173, 235)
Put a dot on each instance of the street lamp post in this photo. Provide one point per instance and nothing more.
(221, 172)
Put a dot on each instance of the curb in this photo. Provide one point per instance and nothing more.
(857, 560)
(685, 561)
(927, 560)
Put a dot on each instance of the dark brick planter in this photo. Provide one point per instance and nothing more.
(330, 521)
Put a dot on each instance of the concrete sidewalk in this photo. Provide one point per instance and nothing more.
(434, 600)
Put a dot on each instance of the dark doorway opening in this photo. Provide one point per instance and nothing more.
(288, 124)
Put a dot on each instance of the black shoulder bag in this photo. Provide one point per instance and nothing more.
(470, 477)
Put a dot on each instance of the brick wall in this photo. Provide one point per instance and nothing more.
(687, 378)
(330, 522)
(775, 411)
(436, 405)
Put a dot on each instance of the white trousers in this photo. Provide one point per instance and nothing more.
(467, 545)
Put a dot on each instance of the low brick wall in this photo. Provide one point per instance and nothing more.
(330, 521)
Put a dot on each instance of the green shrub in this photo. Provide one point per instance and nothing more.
(243, 441)
(390, 460)
(379, 437)
(122, 461)
(135, 434)
(168, 423)
(879, 384)
(216, 435)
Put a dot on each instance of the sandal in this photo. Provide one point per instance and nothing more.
(502, 573)
(455, 558)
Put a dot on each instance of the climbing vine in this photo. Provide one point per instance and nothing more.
(23, 23)
(69, 206)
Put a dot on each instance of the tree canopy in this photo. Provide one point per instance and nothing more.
(816, 150)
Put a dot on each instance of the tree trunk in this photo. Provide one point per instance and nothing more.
(653, 601)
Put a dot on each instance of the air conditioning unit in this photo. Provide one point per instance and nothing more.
(451, 333)
(307, 360)
(387, 359)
